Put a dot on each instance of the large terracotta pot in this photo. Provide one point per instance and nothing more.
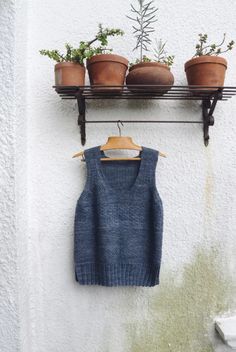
(107, 70)
(69, 74)
(150, 73)
(206, 71)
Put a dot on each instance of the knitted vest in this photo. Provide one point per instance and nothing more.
(118, 222)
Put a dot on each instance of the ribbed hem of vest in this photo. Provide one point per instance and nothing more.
(117, 274)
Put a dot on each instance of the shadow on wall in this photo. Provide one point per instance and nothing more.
(181, 317)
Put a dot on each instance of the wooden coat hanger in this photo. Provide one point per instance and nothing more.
(118, 142)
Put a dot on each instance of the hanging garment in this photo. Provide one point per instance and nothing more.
(119, 222)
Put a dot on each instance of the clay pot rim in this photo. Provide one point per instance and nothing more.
(204, 59)
(149, 64)
(68, 63)
(107, 58)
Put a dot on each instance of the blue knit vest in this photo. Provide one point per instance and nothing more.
(119, 222)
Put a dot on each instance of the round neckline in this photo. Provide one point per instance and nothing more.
(104, 179)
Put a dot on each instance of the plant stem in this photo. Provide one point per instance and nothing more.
(92, 41)
(141, 27)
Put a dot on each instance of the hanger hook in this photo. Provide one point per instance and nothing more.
(118, 122)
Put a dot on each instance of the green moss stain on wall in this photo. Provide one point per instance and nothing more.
(180, 316)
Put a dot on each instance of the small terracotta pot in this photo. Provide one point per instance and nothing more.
(206, 71)
(69, 74)
(107, 70)
(146, 73)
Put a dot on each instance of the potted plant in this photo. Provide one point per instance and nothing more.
(146, 70)
(207, 68)
(70, 69)
(105, 68)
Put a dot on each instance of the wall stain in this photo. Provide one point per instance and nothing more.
(208, 193)
(209, 185)
(180, 316)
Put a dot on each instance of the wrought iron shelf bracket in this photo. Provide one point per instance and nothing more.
(208, 96)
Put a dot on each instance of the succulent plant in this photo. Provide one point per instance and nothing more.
(85, 49)
(213, 49)
(144, 16)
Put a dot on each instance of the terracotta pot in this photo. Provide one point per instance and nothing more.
(206, 71)
(107, 70)
(69, 74)
(146, 73)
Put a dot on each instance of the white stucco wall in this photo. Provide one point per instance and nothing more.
(43, 308)
(8, 306)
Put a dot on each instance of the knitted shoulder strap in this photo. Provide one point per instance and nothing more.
(150, 158)
(91, 157)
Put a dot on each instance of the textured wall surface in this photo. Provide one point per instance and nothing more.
(43, 308)
(14, 254)
(9, 318)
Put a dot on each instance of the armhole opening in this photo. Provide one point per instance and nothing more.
(155, 183)
(154, 171)
(87, 183)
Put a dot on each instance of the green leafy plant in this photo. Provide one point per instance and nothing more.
(213, 49)
(85, 49)
(144, 17)
(160, 54)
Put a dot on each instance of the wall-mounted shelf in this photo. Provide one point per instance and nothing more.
(208, 96)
